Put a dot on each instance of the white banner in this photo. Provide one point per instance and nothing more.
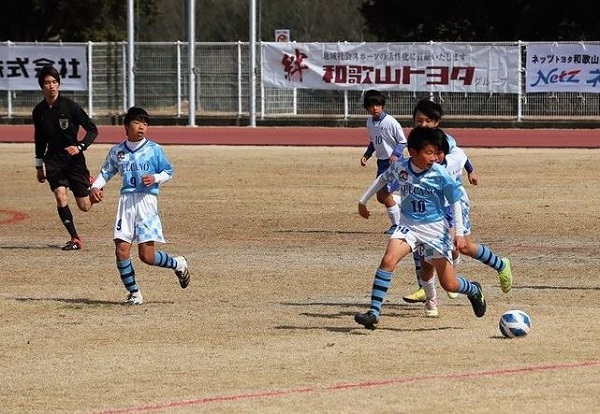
(556, 67)
(19, 66)
(359, 66)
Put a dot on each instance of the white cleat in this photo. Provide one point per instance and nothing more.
(134, 298)
(431, 309)
(182, 271)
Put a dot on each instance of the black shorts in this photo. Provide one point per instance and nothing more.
(67, 171)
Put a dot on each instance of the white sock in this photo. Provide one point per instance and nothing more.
(429, 287)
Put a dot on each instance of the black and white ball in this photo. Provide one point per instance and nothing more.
(514, 324)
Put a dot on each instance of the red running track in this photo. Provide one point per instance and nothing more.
(324, 136)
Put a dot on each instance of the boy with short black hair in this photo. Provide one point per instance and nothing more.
(425, 187)
(387, 141)
(143, 166)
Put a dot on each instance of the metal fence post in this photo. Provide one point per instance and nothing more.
(90, 64)
(521, 45)
(178, 54)
(239, 78)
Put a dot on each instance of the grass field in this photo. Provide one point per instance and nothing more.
(280, 263)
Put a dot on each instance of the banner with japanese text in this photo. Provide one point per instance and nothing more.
(19, 66)
(553, 67)
(435, 67)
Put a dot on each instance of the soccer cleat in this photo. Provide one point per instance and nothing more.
(431, 310)
(478, 301)
(134, 298)
(184, 274)
(505, 276)
(73, 244)
(452, 295)
(415, 297)
(368, 320)
(391, 230)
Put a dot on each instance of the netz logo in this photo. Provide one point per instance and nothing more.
(565, 76)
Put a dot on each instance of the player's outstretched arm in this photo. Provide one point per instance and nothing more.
(375, 186)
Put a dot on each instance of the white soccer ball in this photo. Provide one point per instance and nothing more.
(514, 323)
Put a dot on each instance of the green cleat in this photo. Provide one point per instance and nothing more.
(505, 276)
(415, 297)
(478, 301)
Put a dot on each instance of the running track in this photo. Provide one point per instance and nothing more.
(324, 136)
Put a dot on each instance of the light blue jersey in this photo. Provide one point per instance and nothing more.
(424, 194)
(147, 159)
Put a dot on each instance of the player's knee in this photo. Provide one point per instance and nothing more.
(449, 285)
(388, 263)
(83, 203)
(147, 258)
(85, 207)
(467, 250)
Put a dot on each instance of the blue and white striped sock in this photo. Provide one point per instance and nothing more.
(486, 256)
(127, 275)
(164, 259)
(383, 280)
(466, 287)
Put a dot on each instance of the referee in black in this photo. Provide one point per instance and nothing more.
(56, 122)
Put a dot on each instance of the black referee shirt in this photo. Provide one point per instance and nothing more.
(56, 127)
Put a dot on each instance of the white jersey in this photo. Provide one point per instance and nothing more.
(451, 142)
(455, 162)
(385, 134)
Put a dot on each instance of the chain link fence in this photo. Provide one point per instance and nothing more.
(222, 91)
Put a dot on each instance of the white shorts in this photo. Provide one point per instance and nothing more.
(466, 210)
(137, 219)
(430, 240)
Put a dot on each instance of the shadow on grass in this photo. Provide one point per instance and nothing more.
(34, 247)
(308, 231)
(393, 312)
(86, 301)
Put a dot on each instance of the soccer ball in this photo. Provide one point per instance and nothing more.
(514, 323)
